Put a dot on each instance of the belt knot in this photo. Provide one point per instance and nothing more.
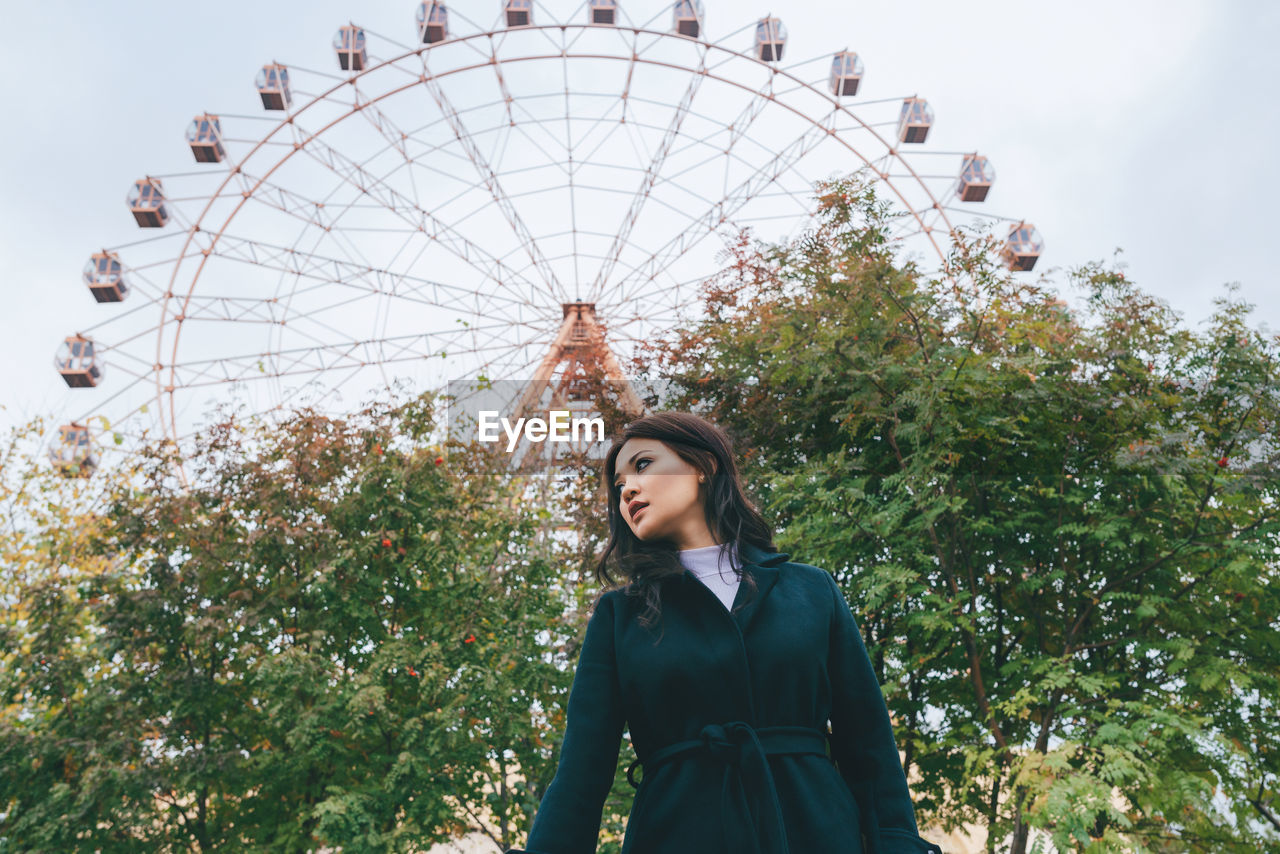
(751, 816)
(724, 741)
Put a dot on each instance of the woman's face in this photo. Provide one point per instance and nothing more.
(668, 503)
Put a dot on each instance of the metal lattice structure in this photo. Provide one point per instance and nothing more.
(428, 206)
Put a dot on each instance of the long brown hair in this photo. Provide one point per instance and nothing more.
(730, 517)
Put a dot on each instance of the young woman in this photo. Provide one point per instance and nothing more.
(726, 660)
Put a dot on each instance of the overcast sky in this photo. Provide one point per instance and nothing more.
(1143, 126)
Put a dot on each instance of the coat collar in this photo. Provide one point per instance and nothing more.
(763, 566)
(758, 557)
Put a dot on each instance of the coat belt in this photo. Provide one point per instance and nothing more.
(750, 812)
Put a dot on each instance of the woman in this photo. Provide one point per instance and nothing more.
(726, 660)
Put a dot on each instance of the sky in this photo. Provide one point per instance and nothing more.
(1143, 127)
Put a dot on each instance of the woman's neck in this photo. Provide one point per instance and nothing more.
(706, 559)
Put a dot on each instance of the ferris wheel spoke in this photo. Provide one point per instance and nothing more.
(398, 139)
(651, 174)
(745, 120)
(300, 329)
(311, 317)
(327, 270)
(138, 379)
(737, 131)
(986, 216)
(728, 155)
(359, 178)
(307, 210)
(332, 386)
(745, 191)
(347, 247)
(395, 137)
(119, 363)
(119, 344)
(685, 296)
(573, 167)
(334, 356)
(490, 179)
(138, 275)
(720, 212)
(503, 89)
(613, 123)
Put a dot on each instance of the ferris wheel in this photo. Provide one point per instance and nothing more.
(474, 198)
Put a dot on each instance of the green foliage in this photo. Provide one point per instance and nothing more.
(1058, 527)
(339, 635)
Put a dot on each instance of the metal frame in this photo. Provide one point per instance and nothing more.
(519, 306)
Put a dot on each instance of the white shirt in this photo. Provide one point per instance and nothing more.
(714, 566)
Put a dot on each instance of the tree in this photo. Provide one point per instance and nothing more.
(336, 636)
(1058, 527)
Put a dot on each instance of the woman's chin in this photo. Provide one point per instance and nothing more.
(642, 534)
(650, 538)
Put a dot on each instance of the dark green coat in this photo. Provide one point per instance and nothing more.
(728, 714)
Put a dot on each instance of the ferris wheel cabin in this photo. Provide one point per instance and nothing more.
(689, 15)
(72, 454)
(204, 135)
(771, 37)
(76, 363)
(146, 201)
(105, 277)
(1022, 248)
(349, 43)
(915, 120)
(519, 13)
(846, 74)
(433, 22)
(604, 11)
(273, 86)
(976, 177)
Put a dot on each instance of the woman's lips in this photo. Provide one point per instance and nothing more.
(639, 510)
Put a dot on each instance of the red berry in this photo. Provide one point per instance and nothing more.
(1239, 597)
(386, 543)
(412, 672)
(400, 550)
(439, 460)
(470, 639)
(377, 449)
(1222, 462)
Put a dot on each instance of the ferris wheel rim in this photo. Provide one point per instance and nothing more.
(706, 48)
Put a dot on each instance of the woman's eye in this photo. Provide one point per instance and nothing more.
(618, 486)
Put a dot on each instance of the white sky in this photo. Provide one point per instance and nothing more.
(1147, 126)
